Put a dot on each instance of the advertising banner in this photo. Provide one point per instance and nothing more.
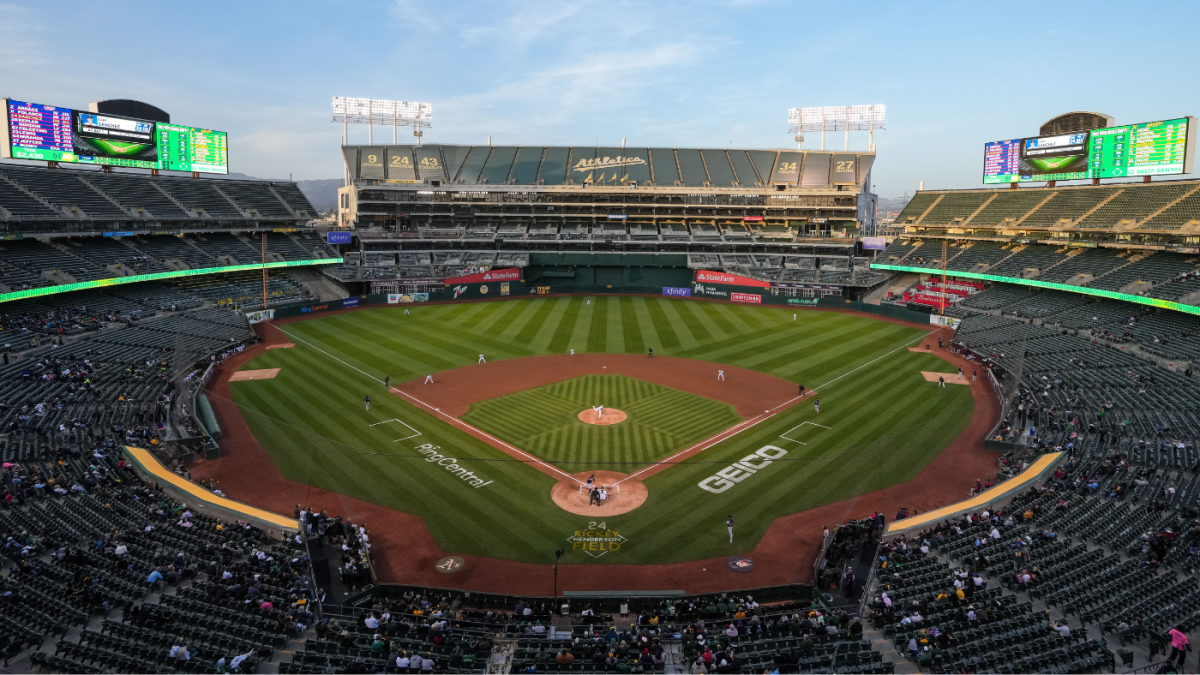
(260, 316)
(678, 292)
(874, 243)
(350, 302)
(405, 298)
(709, 277)
(336, 237)
(948, 321)
(511, 274)
(746, 297)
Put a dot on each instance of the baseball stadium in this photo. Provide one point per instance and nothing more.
(594, 409)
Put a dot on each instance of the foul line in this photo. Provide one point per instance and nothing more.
(451, 419)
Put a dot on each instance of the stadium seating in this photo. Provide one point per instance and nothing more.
(28, 193)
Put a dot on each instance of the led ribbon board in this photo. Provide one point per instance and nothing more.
(1097, 292)
(157, 276)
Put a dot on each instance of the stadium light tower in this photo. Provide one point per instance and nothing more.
(837, 118)
(368, 111)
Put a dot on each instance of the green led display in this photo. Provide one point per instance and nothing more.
(1097, 292)
(157, 276)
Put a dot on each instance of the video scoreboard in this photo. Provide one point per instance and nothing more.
(1150, 149)
(49, 133)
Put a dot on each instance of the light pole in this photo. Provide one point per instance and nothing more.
(557, 554)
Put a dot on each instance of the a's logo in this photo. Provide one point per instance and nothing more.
(459, 290)
(449, 565)
(586, 165)
(739, 563)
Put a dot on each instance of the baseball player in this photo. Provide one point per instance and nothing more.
(599, 410)
(589, 302)
(603, 496)
(960, 372)
(386, 380)
(801, 390)
(793, 317)
(974, 374)
(721, 375)
(406, 310)
(729, 526)
(481, 359)
(572, 353)
(591, 479)
(428, 379)
(817, 406)
(594, 497)
(942, 382)
(652, 352)
(368, 402)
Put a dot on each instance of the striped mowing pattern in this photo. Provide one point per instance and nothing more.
(887, 422)
(544, 421)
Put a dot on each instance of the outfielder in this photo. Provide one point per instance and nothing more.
(817, 406)
(721, 375)
(428, 379)
(386, 380)
(481, 359)
(368, 402)
(572, 353)
(406, 310)
(729, 526)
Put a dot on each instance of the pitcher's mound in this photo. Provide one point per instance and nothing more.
(622, 497)
(610, 416)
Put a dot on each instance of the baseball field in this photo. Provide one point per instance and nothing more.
(477, 452)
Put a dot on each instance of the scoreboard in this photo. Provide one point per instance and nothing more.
(49, 133)
(1150, 149)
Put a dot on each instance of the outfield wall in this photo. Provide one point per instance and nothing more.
(519, 289)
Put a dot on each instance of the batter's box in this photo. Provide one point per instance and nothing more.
(414, 434)
(787, 435)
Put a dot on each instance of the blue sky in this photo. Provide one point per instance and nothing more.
(705, 73)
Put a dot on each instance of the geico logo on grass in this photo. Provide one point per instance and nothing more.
(742, 469)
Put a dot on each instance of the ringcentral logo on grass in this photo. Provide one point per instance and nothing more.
(450, 463)
(742, 469)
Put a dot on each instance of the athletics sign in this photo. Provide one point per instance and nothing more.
(596, 540)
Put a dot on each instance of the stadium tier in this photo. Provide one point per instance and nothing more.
(66, 200)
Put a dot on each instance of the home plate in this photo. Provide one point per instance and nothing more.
(266, 374)
(951, 378)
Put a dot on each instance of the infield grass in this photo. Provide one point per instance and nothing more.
(660, 421)
(885, 422)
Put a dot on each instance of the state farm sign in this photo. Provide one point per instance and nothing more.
(513, 274)
(710, 277)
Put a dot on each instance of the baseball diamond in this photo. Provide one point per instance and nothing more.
(512, 421)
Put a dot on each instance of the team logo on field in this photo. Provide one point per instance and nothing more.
(449, 565)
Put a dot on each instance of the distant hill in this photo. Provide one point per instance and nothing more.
(322, 192)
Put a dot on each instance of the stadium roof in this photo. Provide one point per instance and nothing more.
(600, 166)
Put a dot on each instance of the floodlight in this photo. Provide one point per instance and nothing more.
(370, 111)
(837, 118)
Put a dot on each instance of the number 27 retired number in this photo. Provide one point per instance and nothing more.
(742, 469)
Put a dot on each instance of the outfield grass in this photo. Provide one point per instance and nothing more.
(886, 423)
(544, 422)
